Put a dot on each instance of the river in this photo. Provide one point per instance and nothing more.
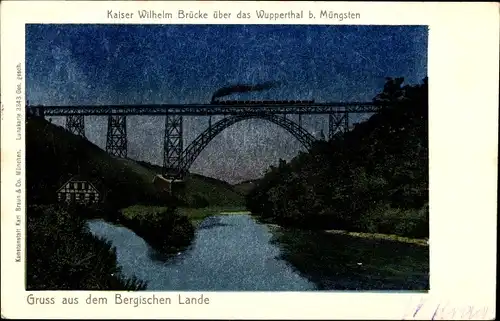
(237, 253)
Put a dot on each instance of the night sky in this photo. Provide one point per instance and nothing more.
(134, 64)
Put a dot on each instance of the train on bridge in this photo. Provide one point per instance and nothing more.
(262, 102)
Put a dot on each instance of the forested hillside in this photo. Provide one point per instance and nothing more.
(373, 178)
(54, 155)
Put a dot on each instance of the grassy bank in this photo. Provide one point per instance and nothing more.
(379, 236)
(194, 215)
(346, 262)
(365, 235)
(163, 228)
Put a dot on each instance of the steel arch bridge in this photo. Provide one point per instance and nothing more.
(194, 149)
(176, 159)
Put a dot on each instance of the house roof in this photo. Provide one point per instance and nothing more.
(77, 178)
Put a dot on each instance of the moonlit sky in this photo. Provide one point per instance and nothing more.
(134, 64)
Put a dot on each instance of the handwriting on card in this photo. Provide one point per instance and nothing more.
(436, 310)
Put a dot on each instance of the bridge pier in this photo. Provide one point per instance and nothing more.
(338, 123)
(76, 124)
(172, 147)
(116, 138)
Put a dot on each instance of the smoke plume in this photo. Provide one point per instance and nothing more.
(242, 88)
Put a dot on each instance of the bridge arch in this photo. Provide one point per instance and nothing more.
(192, 151)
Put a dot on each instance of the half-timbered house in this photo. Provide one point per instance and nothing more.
(78, 190)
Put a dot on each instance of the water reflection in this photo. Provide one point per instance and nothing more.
(232, 253)
(212, 222)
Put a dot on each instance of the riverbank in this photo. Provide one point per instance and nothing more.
(234, 243)
(344, 260)
(337, 259)
(195, 215)
(380, 236)
(365, 235)
(62, 254)
(350, 261)
(164, 228)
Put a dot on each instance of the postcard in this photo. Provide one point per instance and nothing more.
(249, 160)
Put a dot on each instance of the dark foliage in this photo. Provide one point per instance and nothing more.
(373, 178)
(165, 231)
(63, 255)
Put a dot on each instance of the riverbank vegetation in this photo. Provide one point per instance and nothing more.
(62, 254)
(194, 215)
(344, 262)
(164, 228)
(372, 179)
(380, 236)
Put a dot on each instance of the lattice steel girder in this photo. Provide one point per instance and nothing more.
(76, 124)
(199, 143)
(337, 123)
(210, 109)
(172, 146)
(116, 139)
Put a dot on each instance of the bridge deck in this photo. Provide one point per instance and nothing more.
(207, 109)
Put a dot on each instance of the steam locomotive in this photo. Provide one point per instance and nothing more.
(262, 102)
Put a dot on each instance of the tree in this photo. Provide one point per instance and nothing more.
(355, 180)
(392, 92)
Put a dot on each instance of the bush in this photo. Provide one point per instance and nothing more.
(164, 229)
(388, 220)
